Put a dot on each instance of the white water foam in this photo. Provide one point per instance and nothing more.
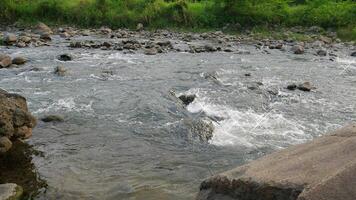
(248, 128)
(66, 104)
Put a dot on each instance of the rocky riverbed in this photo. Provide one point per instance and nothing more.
(135, 114)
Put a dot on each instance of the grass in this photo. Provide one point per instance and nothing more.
(187, 14)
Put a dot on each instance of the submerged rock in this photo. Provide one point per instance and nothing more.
(52, 118)
(19, 60)
(324, 168)
(60, 71)
(10, 191)
(187, 99)
(292, 86)
(65, 57)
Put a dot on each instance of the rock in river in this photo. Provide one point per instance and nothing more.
(60, 71)
(52, 118)
(306, 86)
(10, 39)
(323, 169)
(16, 121)
(353, 54)
(187, 99)
(5, 61)
(19, 60)
(298, 49)
(65, 57)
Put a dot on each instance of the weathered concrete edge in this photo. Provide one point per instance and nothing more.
(223, 187)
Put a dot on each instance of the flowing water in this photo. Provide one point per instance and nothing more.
(122, 139)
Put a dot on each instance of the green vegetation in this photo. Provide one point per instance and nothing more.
(191, 14)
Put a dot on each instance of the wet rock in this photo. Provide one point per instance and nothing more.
(105, 30)
(292, 87)
(306, 86)
(16, 121)
(199, 128)
(64, 35)
(76, 44)
(247, 74)
(42, 28)
(19, 60)
(5, 145)
(353, 54)
(25, 39)
(65, 57)
(52, 118)
(5, 61)
(21, 44)
(187, 99)
(324, 168)
(322, 52)
(10, 191)
(297, 49)
(10, 39)
(139, 27)
(151, 51)
(242, 52)
(228, 50)
(45, 37)
(326, 40)
(60, 71)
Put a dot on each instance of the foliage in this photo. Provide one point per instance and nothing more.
(183, 13)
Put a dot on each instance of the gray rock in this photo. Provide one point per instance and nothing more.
(201, 129)
(323, 169)
(10, 191)
(151, 51)
(322, 52)
(60, 71)
(297, 49)
(19, 60)
(46, 36)
(306, 86)
(353, 54)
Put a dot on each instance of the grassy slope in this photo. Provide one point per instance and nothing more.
(203, 14)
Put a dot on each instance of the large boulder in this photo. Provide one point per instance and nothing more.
(15, 120)
(10, 191)
(323, 169)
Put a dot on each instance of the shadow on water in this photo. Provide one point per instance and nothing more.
(17, 167)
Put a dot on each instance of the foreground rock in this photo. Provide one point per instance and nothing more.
(60, 71)
(10, 191)
(19, 60)
(15, 122)
(323, 169)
